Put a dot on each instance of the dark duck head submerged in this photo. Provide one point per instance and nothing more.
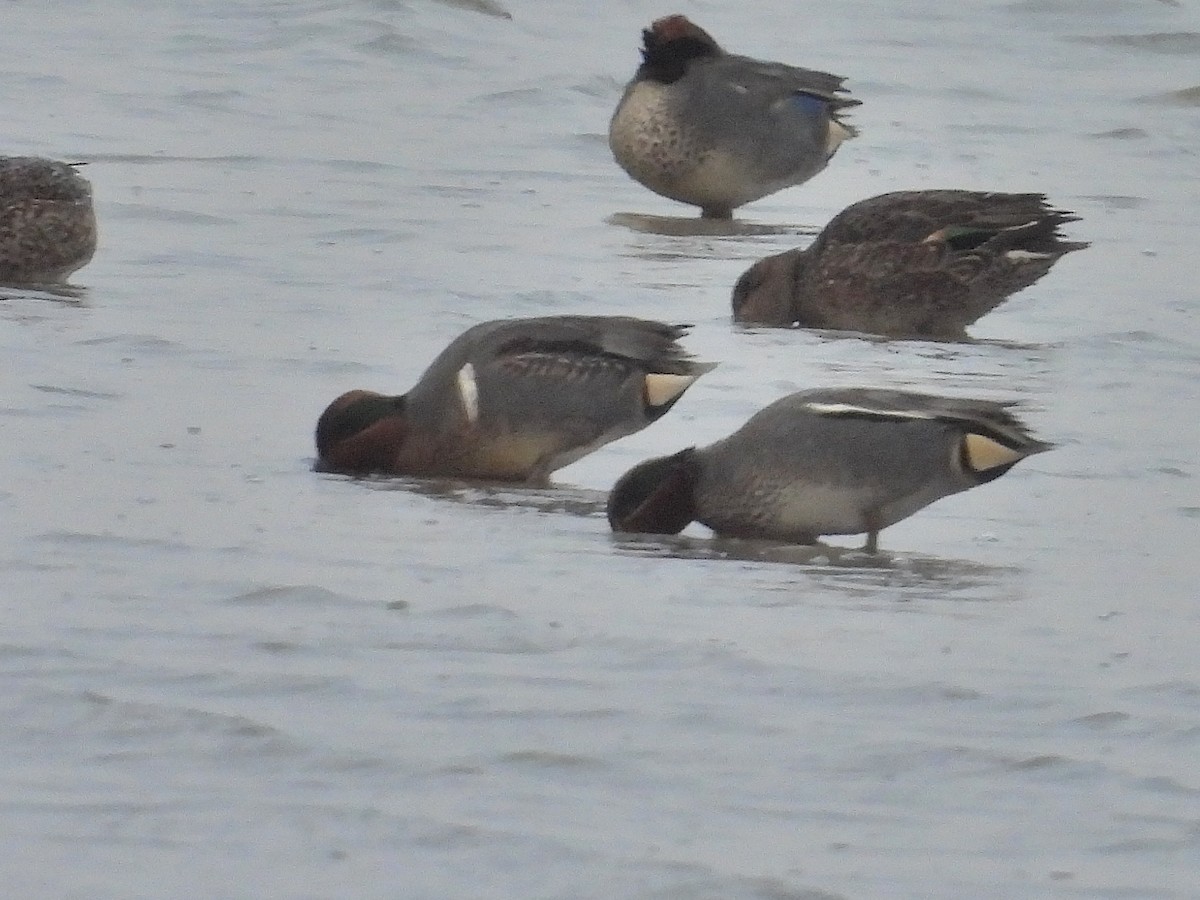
(717, 130)
(827, 461)
(909, 264)
(47, 222)
(513, 400)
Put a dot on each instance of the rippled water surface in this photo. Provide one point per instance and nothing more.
(226, 676)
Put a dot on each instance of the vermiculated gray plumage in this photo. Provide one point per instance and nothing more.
(825, 461)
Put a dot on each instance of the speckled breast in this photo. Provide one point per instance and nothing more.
(651, 144)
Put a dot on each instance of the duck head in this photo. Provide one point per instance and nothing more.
(361, 432)
(656, 496)
(766, 292)
(669, 44)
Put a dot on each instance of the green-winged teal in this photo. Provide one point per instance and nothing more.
(717, 130)
(908, 264)
(826, 461)
(513, 400)
(47, 224)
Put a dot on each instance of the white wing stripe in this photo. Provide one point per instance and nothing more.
(468, 392)
(844, 409)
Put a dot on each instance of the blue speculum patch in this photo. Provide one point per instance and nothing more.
(810, 104)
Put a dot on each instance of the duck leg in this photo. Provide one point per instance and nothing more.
(871, 520)
(872, 545)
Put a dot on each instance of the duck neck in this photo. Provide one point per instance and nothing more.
(800, 289)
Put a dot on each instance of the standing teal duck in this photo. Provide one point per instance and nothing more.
(513, 400)
(47, 224)
(825, 461)
(909, 264)
(716, 130)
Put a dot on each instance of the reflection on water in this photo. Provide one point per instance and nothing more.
(169, 159)
(839, 569)
(570, 500)
(696, 226)
(832, 334)
(66, 294)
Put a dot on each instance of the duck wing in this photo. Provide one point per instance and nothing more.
(989, 417)
(928, 262)
(774, 81)
(915, 216)
(556, 388)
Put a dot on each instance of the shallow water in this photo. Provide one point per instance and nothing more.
(226, 676)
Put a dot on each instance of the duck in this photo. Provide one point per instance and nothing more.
(825, 461)
(716, 130)
(513, 400)
(924, 264)
(47, 223)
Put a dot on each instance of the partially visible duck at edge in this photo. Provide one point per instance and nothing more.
(717, 130)
(513, 400)
(47, 224)
(825, 461)
(909, 264)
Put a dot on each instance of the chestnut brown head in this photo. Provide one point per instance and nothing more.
(669, 44)
(360, 432)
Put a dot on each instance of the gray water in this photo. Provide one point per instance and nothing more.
(223, 675)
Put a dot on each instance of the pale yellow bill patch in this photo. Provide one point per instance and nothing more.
(662, 388)
(836, 135)
(983, 453)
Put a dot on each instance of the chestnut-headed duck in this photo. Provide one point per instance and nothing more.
(514, 400)
(717, 130)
